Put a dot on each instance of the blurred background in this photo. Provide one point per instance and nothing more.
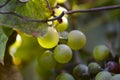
(99, 27)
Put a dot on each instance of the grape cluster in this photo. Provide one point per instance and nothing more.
(60, 46)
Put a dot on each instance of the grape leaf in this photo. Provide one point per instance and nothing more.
(3, 40)
(33, 9)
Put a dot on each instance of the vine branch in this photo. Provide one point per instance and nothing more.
(63, 13)
(2, 5)
(94, 9)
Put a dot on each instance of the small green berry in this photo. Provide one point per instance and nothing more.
(65, 76)
(103, 75)
(94, 68)
(101, 53)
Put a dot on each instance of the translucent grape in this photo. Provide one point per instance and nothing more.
(101, 53)
(62, 53)
(65, 76)
(50, 39)
(61, 1)
(103, 75)
(63, 25)
(59, 10)
(46, 60)
(76, 39)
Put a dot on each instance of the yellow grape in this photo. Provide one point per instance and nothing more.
(62, 53)
(50, 39)
(59, 10)
(76, 39)
(61, 1)
(103, 75)
(46, 60)
(65, 76)
(101, 53)
(61, 26)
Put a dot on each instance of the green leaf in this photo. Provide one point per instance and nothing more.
(33, 9)
(3, 40)
(4, 34)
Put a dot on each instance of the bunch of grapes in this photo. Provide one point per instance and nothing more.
(60, 46)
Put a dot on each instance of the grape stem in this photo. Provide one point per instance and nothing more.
(48, 4)
(63, 13)
(77, 57)
(95, 9)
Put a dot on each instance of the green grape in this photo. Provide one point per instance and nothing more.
(46, 60)
(62, 53)
(101, 53)
(59, 10)
(115, 77)
(50, 39)
(65, 76)
(80, 70)
(94, 68)
(76, 39)
(61, 1)
(61, 26)
(103, 75)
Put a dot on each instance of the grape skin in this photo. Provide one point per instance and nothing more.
(100, 53)
(62, 53)
(50, 39)
(60, 27)
(103, 75)
(46, 60)
(64, 76)
(76, 39)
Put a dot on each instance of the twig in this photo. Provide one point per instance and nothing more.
(63, 13)
(4, 4)
(48, 4)
(33, 20)
(94, 9)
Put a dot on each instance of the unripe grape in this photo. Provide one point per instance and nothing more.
(101, 53)
(115, 77)
(62, 26)
(50, 39)
(62, 53)
(46, 60)
(65, 76)
(76, 39)
(59, 10)
(94, 68)
(103, 75)
(80, 71)
(61, 1)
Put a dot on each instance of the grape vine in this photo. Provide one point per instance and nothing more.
(62, 14)
(61, 46)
